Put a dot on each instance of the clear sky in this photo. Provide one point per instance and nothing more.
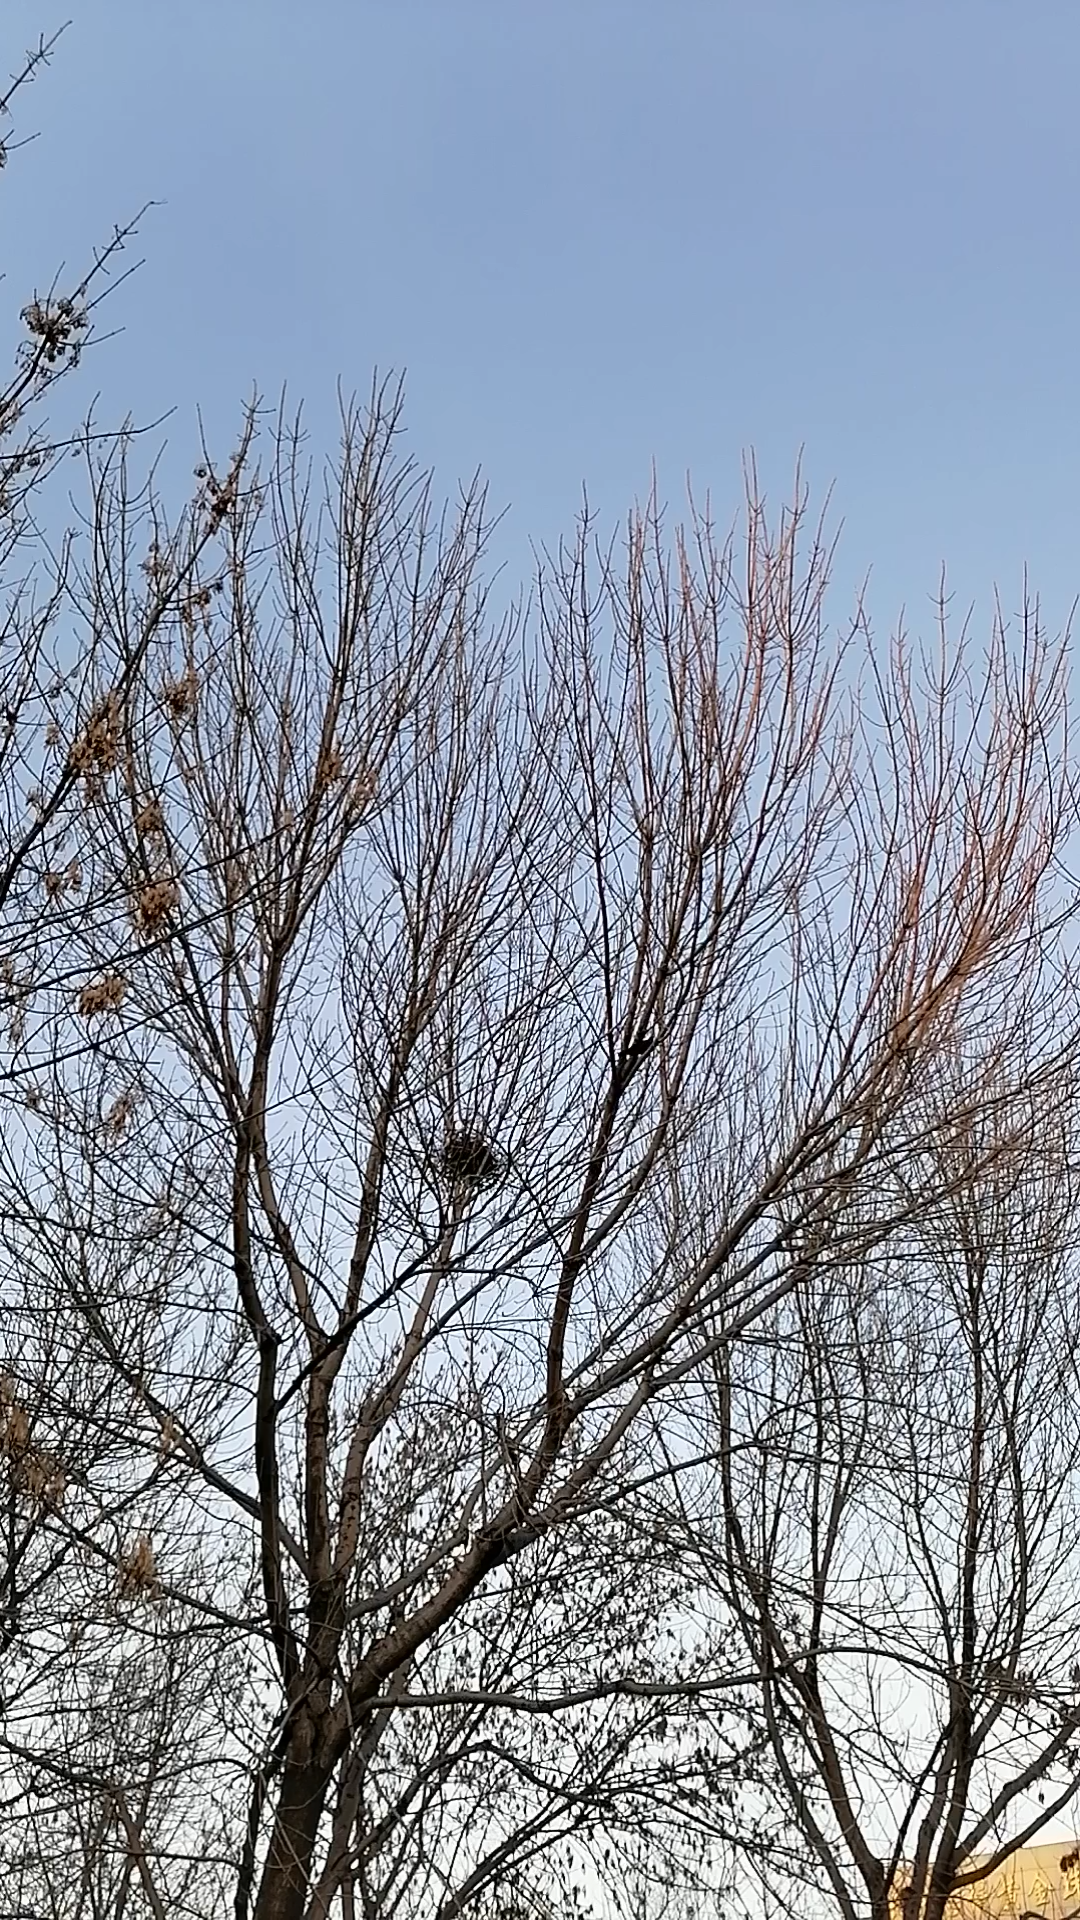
(599, 232)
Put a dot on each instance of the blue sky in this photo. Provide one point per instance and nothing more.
(602, 232)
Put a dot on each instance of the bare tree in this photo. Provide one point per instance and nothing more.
(892, 1521)
(51, 1437)
(464, 1033)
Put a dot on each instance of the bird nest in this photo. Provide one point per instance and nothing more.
(468, 1158)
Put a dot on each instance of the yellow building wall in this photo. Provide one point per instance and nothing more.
(1036, 1883)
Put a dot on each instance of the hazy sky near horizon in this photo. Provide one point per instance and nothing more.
(599, 233)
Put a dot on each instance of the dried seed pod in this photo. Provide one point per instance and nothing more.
(42, 1477)
(14, 1430)
(154, 905)
(180, 695)
(150, 819)
(116, 1117)
(95, 752)
(102, 996)
(138, 1571)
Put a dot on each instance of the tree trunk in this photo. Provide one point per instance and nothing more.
(286, 1877)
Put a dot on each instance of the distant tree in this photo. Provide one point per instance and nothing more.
(892, 1517)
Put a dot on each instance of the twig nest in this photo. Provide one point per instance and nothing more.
(469, 1158)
